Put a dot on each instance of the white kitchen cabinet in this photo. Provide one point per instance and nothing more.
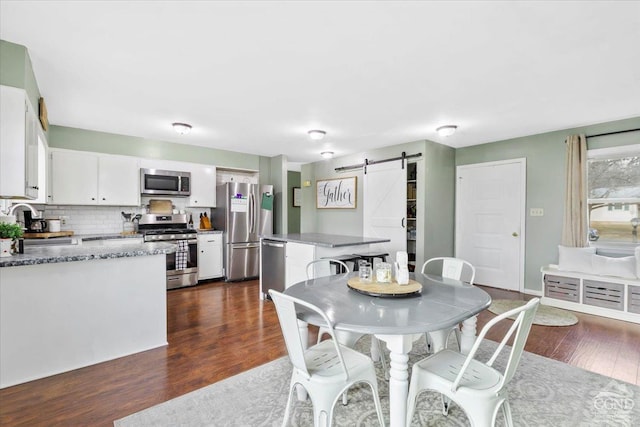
(203, 186)
(118, 181)
(82, 178)
(209, 256)
(18, 145)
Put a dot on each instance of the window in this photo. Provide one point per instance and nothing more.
(613, 181)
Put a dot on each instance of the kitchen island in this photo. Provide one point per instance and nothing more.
(297, 250)
(66, 307)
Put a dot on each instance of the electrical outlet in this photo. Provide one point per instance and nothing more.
(536, 212)
(63, 219)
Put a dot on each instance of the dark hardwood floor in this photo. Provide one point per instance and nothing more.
(217, 330)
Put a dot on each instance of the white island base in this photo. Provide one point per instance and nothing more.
(62, 316)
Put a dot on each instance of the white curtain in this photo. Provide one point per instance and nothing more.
(574, 226)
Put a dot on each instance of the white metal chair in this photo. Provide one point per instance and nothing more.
(478, 388)
(322, 267)
(325, 370)
(452, 268)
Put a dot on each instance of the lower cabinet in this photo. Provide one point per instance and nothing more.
(209, 256)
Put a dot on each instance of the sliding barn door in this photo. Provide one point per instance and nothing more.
(385, 205)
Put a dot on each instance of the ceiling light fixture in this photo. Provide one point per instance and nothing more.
(316, 134)
(181, 128)
(327, 154)
(447, 130)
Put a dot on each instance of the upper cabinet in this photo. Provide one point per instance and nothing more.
(203, 186)
(18, 145)
(82, 178)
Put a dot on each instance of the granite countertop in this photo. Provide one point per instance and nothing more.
(109, 236)
(69, 253)
(326, 240)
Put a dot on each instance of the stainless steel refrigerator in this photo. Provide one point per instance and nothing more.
(244, 212)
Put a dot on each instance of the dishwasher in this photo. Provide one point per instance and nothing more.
(273, 254)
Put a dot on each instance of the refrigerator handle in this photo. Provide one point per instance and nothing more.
(252, 213)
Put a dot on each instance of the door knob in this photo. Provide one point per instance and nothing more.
(514, 234)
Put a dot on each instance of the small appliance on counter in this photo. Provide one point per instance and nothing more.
(34, 225)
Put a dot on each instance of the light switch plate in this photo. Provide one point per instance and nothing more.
(536, 212)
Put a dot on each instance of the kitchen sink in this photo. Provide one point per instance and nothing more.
(53, 241)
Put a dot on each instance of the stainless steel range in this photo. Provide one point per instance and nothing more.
(182, 267)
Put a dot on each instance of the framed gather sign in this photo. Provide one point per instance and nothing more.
(339, 193)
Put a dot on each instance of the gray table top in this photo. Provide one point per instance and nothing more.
(442, 303)
(326, 240)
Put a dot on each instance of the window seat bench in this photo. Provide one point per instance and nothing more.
(608, 296)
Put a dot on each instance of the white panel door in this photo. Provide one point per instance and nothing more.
(490, 206)
(385, 205)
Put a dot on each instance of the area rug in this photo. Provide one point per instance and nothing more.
(544, 392)
(545, 315)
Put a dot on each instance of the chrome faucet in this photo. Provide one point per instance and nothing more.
(35, 213)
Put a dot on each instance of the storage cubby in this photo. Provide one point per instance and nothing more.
(633, 305)
(603, 294)
(564, 288)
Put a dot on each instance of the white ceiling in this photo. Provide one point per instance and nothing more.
(255, 76)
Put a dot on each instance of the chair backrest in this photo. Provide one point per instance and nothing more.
(322, 267)
(521, 326)
(288, 317)
(452, 268)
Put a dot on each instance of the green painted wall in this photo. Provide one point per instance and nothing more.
(102, 142)
(293, 216)
(545, 182)
(12, 64)
(16, 70)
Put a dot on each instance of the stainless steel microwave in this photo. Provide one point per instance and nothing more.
(156, 182)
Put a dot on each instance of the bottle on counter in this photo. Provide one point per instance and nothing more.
(190, 225)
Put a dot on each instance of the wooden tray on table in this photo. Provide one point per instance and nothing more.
(376, 289)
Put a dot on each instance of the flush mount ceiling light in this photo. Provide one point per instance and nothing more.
(316, 134)
(447, 130)
(181, 128)
(327, 154)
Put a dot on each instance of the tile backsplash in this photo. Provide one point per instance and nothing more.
(101, 219)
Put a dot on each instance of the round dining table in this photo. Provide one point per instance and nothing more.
(397, 320)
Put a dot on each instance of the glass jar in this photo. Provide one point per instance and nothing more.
(383, 273)
(364, 271)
